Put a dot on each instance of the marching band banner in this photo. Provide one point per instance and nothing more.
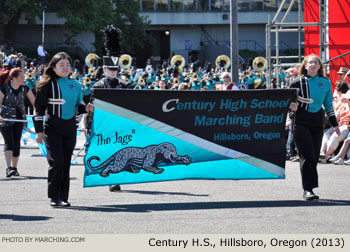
(148, 136)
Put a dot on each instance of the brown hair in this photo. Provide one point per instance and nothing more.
(49, 73)
(14, 73)
(341, 86)
(4, 74)
(303, 71)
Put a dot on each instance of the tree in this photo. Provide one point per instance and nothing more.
(11, 11)
(94, 15)
(82, 15)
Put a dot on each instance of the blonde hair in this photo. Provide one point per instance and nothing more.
(302, 69)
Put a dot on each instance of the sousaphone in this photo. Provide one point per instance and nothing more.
(177, 60)
(223, 61)
(259, 64)
(89, 58)
(125, 61)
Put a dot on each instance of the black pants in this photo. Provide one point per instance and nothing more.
(60, 139)
(12, 137)
(308, 139)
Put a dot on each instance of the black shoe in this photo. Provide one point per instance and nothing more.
(65, 204)
(10, 172)
(55, 203)
(114, 188)
(310, 195)
(16, 174)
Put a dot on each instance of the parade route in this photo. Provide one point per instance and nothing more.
(177, 207)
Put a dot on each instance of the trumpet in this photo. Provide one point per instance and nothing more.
(89, 58)
(223, 61)
(125, 61)
(91, 71)
(177, 60)
(87, 80)
(176, 81)
(195, 76)
(141, 81)
(259, 64)
(30, 76)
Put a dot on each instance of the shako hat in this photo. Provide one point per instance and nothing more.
(112, 44)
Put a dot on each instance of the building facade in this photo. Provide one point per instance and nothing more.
(198, 28)
(201, 28)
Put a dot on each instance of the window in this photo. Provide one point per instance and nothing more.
(147, 5)
(203, 5)
(189, 5)
(162, 5)
(270, 5)
(219, 4)
(243, 5)
(256, 5)
(175, 5)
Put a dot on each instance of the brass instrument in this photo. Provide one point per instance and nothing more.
(177, 60)
(141, 81)
(257, 83)
(148, 68)
(162, 73)
(91, 71)
(127, 80)
(259, 64)
(89, 58)
(125, 61)
(195, 76)
(87, 80)
(223, 61)
(176, 81)
(29, 75)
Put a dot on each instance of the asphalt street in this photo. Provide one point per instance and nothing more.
(177, 207)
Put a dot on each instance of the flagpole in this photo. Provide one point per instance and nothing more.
(234, 40)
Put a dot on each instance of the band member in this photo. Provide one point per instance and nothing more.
(12, 95)
(111, 67)
(58, 97)
(308, 132)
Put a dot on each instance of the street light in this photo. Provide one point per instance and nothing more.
(43, 6)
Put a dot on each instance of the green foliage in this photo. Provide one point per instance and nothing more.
(9, 8)
(82, 16)
(247, 54)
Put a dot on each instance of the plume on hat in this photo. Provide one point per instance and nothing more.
(112, 40)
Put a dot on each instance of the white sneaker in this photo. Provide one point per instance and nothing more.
(347, 162)
(323, 160)
(334, 159)
(340, 161)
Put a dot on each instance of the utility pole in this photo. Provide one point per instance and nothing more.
(43, 5)
(234, 40)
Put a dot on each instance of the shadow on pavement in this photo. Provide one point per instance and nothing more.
(161, 193)
(23, 217)
(28, 178)
(210, 205)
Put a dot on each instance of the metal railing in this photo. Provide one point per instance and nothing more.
(333, 65)
(251, 45)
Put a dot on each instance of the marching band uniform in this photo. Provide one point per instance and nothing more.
(58, 100)
(309, 126)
